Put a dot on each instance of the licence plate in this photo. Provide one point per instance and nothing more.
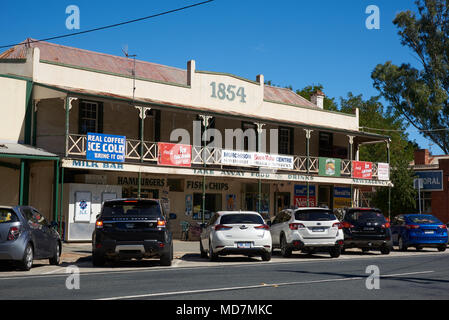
(318, 229)
(428, 231)
(368, 229)
(244, 245)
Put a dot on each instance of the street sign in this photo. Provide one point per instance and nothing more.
(431, 180)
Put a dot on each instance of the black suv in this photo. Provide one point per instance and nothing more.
(367, 229)
(132, 228)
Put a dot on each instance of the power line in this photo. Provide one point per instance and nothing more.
(110, 26)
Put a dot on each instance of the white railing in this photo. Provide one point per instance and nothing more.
(77, 147)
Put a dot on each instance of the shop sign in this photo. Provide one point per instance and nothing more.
(301, 196)
(198, 185)
(432, 180)
(362, 169)
(105, 147)
(257, 159)
(383, 171)
(342, 197)
(177, 155)
(330, 167)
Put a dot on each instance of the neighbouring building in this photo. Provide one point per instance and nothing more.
(434, 172)
(98, 131)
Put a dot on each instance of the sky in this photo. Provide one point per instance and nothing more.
(291, 42)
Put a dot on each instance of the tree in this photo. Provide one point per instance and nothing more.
(374, 115)
(420, 96)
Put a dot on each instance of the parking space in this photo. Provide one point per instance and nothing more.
(187, 255)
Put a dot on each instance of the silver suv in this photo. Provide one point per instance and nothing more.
(309, 230)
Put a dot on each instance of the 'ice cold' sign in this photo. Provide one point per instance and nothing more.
(105, 147)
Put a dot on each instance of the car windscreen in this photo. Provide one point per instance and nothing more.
(424, 219)
(241, 218)
(148, 209)
(364, 215)
(8, 216)
(314, 215)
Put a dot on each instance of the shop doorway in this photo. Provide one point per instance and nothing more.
(325, 196)
(213, 204)
(281, 202)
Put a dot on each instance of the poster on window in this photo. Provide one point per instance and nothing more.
(189, 205)
(362, 170)
(230, 202)
(342, 197)
(301, 196)
(83, 206)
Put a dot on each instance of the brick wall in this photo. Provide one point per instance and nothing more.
(440, 199)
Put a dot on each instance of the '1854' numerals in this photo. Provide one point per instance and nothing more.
(222, 92)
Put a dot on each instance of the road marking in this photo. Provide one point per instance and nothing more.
(263, 285)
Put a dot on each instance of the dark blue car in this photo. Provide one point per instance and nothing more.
(419, 231)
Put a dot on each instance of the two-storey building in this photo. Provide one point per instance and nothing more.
(244, 145)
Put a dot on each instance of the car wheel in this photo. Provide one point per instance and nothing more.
(56, 255)
(166, 258)
(203, 253)
(442, 248)
(335, 252)
(402, 246)
(385, 250)
(212, 256)
(27, 260)
(285, 250)
(98, 260)
(266, 256)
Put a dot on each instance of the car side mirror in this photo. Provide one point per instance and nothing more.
(172, 216)
(54, 225)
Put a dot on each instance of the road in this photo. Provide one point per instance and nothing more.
(411, 275)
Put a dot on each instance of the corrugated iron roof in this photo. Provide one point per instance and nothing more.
(22, 149)
(120, 65)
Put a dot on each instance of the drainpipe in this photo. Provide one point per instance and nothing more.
(308, 135)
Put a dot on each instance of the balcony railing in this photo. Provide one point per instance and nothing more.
(213, 156)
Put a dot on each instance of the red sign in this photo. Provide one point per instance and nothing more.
(301, 201)
(362, 170)
(170, 154)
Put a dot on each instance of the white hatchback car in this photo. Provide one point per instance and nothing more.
(307, 229)
(236, 232)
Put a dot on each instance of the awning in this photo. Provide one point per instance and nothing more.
(21, 151)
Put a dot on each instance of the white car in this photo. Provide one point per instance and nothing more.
(236, 232)
(307, 229)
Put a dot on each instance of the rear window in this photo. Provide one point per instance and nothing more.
(8, 216)
(132, 208)
(424, 219)
(241, 218)
(314, 215)
(363, 215)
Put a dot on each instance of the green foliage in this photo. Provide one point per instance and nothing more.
(307, 92)
(420, 96)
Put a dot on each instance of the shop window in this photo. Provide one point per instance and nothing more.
(90, 117)
(426, 202)
(175, 185)
(213, 205)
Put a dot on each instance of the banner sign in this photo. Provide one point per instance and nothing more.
(83, 201)
(301, 195)
(330, 167)
(230, 157)
(105, 147)
(171, 154)
(342, 197)
(362, 170)
(383, 171)
(431, 180)
(256, 159)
